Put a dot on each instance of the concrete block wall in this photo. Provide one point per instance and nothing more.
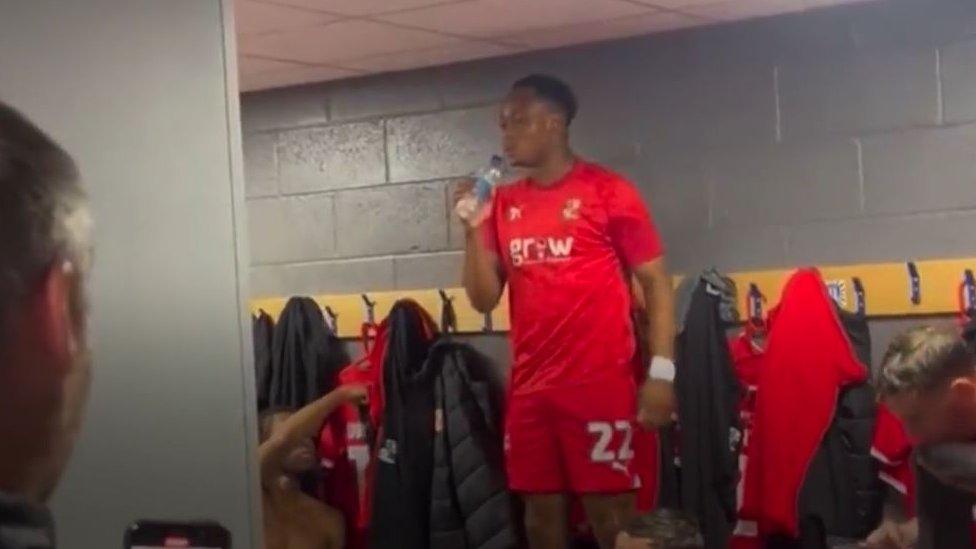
(840, 135)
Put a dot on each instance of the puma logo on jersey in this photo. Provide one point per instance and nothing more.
(514, 213)
(617, 466)
(527, 251)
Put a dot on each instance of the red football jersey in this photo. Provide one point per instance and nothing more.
(564, 249)
(344, 448)
(747, 360)
(347, 439)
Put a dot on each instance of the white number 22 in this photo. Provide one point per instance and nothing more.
(604, 436)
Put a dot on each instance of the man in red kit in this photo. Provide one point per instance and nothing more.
(567, 239)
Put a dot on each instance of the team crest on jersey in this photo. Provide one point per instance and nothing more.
(514, 212)
(571, 209)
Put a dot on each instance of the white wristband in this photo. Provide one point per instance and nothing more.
(661, 368)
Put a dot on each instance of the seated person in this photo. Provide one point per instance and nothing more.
(292, 519)
(928, 382)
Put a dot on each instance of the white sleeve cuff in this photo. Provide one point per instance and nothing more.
(661, 368)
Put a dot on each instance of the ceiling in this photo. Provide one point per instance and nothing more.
(286, 42)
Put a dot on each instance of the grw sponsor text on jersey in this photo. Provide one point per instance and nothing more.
(529, 251)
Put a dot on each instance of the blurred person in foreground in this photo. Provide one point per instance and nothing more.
(928, 381)
(45, 254)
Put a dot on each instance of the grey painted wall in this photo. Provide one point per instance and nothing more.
(842, 135)
(136, 90)
(835, 136)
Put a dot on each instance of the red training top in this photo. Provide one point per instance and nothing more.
(564, 249)
(808, 360)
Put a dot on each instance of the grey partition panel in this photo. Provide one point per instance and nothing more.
(138, 91)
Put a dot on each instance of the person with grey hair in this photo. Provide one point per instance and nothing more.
(928, 380)
(45, 253)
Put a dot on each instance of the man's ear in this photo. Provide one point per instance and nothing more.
(52, 326)
(962, 390)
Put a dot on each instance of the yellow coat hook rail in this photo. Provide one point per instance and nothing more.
(887, 293)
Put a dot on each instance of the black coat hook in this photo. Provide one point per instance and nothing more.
(370, 308)
(755, 304)
(448, 314)
(861, 307)
(332, 319)
(445, 298)
(914, 284)
(968, 293)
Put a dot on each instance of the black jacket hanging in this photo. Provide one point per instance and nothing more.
(470, 506)
(404, 467)
(306, 356)
(709, 432)
(841, 490)
(262, 330)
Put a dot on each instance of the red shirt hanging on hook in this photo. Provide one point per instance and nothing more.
(808, 360)
(347, 441)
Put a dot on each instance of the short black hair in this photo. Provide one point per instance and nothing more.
(553, 90)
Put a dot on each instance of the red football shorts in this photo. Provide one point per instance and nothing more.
(573, 439)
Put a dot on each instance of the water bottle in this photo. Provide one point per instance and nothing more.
(473, 206)
(487, 178)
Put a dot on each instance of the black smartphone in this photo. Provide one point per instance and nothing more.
(150, 534)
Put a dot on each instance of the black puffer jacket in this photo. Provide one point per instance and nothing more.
(470, 507)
